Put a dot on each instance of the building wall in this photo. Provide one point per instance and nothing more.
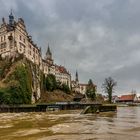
(82, 88)
(4, 41)
(17, 41)
(64, 78)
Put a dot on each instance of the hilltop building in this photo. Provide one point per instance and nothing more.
(60, 72)
(15, 40)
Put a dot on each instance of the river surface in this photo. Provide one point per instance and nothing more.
(70, 125)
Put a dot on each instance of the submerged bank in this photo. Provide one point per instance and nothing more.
(93, 108)
(99, 108)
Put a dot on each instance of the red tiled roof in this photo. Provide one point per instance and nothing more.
(61, 69)
(127, 97)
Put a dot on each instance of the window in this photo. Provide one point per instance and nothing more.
(1, 38)
(4, 38)
(3, 45)
(24, 40)
(20, 37)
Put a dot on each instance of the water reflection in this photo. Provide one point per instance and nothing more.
(70, 125)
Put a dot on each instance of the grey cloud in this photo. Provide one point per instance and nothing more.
(98, 38)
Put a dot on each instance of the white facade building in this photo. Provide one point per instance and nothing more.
(14, 40)
(60, 72)
(63, 75)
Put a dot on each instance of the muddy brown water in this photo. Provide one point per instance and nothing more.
(70, 125)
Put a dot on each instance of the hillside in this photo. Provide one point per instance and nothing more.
(20, 81)
(56, 96)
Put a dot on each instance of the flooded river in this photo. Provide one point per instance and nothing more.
(70, 125)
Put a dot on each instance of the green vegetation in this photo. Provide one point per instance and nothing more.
(65, 88)
(51, 84)
(19, 78)
(91, 90)
(5, 66)
(18, 90)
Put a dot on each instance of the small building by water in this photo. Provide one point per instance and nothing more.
(128, 98)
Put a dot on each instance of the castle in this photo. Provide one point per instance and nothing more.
(14, 39)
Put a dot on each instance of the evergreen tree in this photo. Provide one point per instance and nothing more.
(65, 88)
(91, 90)
(51, 83)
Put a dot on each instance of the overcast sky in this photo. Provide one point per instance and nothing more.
(98, 38)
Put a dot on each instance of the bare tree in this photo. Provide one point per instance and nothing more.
(108, 87)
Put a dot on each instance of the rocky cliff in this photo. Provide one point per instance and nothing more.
(20, 81)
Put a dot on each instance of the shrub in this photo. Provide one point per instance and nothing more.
(91, 90)
(50, 82)
(65, 88)
(19, 88)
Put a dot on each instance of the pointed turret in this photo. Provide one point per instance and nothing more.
(49, 55)
(11, 19)
(76, 77)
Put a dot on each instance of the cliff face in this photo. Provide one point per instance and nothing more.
(20, 81)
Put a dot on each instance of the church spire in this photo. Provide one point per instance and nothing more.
(49, 55)
(48, 50)
(76, 77)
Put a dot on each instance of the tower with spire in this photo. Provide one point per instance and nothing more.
(49, 56)
(11, 19)
(76, 77)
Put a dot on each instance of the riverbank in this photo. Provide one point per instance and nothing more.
(46, 107)
(58, 106)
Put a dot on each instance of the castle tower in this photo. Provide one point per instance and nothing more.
(49, 56)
